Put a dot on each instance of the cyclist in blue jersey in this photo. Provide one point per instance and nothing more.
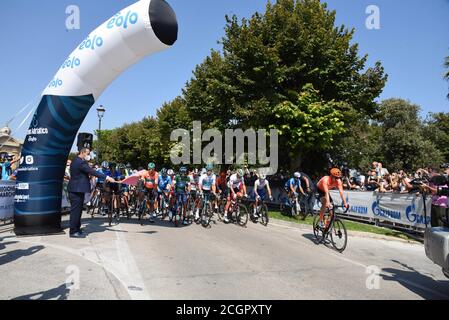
(163, 188)
(100, 184)
(293, 186)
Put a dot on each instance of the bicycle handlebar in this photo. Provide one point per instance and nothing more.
(345, 210)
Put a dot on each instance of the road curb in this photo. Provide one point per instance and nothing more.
(351, 233)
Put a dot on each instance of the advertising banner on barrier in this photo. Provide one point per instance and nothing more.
(7, 191)
(405, 209)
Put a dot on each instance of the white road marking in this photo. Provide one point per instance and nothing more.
(120, 262)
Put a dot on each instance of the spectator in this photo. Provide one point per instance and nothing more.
(67, 170)
(383, 171)
(439, 203)
(404, 182)
(5, 165)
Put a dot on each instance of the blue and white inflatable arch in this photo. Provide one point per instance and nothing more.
(137, 31)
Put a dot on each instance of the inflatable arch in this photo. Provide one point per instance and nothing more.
(141, 29)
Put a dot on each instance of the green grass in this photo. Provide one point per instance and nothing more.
(350, 225)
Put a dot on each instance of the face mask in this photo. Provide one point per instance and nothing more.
(87, 158)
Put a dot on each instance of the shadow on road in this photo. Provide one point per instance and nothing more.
(310, 236)
(59, 293)
(13, 255)
(421, 284)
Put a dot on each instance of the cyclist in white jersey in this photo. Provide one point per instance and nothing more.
(237, 189)
(259, 191)
(207, 184)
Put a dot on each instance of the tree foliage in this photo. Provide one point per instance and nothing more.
(293, 69)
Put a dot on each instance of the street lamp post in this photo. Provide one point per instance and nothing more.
(100, 112)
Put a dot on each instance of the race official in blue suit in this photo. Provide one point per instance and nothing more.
(79, 185)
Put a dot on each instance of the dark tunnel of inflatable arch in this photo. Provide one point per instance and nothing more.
(163, 21)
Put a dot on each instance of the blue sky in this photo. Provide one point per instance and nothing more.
(411, 44)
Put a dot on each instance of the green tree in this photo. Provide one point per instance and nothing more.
(402, 139)
(437, 131)
(307, 124)
(267, 60)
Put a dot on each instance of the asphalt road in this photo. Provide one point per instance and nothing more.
(281, 261)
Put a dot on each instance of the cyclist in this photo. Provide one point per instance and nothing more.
(207, 184)
(237, 189)
(194, 177)
(125, 189)
(151, 179)
(100, 183)
(327, 183)
(163, 187)
(115, 187)
(259, 191)
(172, 202)
(182, 189)
(293, 187)
(310, 191)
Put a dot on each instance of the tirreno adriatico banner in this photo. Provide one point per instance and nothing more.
(141, 29)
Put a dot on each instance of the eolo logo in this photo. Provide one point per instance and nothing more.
(71, 63)
(92, 44)
(55, 83)
(123, 21)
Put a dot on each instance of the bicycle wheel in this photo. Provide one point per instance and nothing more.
(141, 211)
(317, 230)
(110, 212)
(94, 205)
(90, 207)
(206, 215)
(242, 215)
(264, 215)
(339, 236)
(220, 211)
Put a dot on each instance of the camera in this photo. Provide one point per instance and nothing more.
(444, 166)
(443, 191)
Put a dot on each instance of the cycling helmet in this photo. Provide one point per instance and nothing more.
(262, 176)
(164, 172)
(210, 167)
(336, 173)
(183, 170)
(105, 164)
(151, 166)
(297, 175)
(170, 172)
(128, 165)
(240, 172)
(203, 171)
